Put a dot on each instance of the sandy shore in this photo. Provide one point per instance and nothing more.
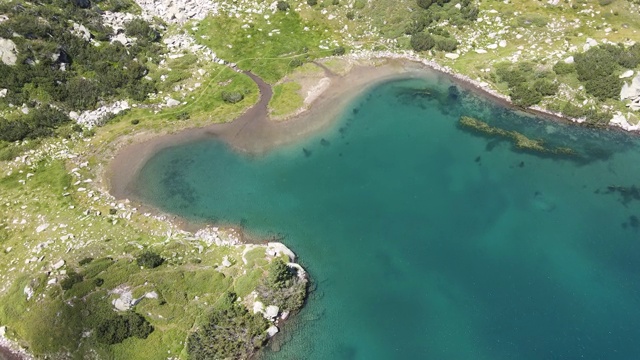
(253, 131)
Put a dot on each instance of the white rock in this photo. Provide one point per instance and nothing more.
(52, 281)
(3, 93)
(502, 43)
(626, 74)
(58, 265)
(271, 312)
(276, 248)
(172, 102)
(568, 60)
(452, 56)
(272, 330)
(28, 291)
(492, 46)
(226, 262)
(258, 307)
(481, 51)
(3, 331)
(8, 51)
(42, 228)
(121, 305)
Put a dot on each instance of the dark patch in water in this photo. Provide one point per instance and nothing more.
(355, 111)
(627, 194)
(454, 93)
(521, 164)
(478, 159)
(325, 142)
(633, 222)
(306, 152)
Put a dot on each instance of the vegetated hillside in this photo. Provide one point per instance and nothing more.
(66, 57)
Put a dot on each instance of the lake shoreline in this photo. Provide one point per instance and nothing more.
(254, 132)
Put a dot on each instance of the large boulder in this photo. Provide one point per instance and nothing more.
(8, 51)
(632, 90)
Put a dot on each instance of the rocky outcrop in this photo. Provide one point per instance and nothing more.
(8, 51)
(179, 11)
(631, 92)
(99, 116)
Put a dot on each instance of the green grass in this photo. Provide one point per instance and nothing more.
(253, 49)
(286, 99)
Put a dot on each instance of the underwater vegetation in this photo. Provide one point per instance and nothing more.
(518, 140)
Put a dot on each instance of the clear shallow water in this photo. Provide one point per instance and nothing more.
(426, 241)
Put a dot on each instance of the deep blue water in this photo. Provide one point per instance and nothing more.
(427, 241)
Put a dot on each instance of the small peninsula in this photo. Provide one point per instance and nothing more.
(91, 90)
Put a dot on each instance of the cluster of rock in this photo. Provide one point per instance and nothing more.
(97, 117)
(179, 11)
(216, 236)
(178, 44)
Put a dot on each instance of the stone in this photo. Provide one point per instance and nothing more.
(42, 228)
(3, 93)
(272, 330)
(502, 43)
(568, 60)
(481, 51)
(271, 312)
(226, 262)
(276, 248)
(81, 31)
(121, 305)
(492, 46)
(3, 331)
(631, 91)
(452, 56)
(58, 265)
(172, 102)
(626, 74)
(8, 51)
(29, 292)
(258, 307)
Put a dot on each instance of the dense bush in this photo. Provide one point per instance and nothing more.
(447, 44)
(57, 67)
(280, 275)
(545, 87)
(422, 42)
(340, 50)
(595, 63)
(40, 122)
(149, 260)
(282, 287)
(312, 2)
(283, 6)
(524, 95)
(232, 97)
(141, 30)
(425, 4)
(71, 279)
(562, 68)
(607, 87)
(116, 329)
(229, 333)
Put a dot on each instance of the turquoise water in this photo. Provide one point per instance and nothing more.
(426, 241)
